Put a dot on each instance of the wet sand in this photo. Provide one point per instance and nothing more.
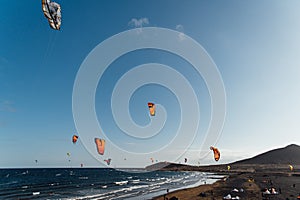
(287, 185)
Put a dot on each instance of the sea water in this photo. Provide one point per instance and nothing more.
(92, 183)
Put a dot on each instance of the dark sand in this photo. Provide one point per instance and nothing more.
(252, 183)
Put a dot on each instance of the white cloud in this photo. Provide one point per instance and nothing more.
(138, 23)
(180, 29)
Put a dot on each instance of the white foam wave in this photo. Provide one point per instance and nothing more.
(121, 182)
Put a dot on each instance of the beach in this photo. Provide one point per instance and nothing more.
(245, 185)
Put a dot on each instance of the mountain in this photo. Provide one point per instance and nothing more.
(281, 156)
(286, 155)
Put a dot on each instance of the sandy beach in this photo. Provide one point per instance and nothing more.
(248, 185)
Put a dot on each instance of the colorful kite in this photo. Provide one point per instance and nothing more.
(216, 153)
(52, 12)
(100, 144)
(151, 108)
(74, 139)
(108, 161)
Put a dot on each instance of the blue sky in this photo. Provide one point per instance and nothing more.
(254, 44)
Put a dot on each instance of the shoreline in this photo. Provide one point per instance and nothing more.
(249, 185)
(212, 178)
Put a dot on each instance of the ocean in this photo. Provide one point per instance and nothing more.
(94, 183)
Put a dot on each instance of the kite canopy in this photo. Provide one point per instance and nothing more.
(108, 161)
(52, 12)
(100, 144)
(151, 108)
(216, 153)
(74, 139)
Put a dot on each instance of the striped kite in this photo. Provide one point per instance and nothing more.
(52, 12)
(100, 144)
(216, 153)
(74, 139)
(151, 108)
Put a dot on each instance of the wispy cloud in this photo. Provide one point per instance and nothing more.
(7, 106)
(180, 29)
(138, 23)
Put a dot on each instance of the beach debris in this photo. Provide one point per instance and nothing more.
(152, 108)
(267, 191)
(202, 194)
(74, 139)
(216, 153)
(251, 180)
(107, 161)
(228, 196)
(273, 191)
(100, 144)
(52, 12)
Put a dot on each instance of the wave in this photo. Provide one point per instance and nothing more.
(121, 182)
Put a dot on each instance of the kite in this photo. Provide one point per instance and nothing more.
(216, 153)
(74, 139)
(52, 12)
(151, 108)
(69, 154)
(100, 144)
(108, 161)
